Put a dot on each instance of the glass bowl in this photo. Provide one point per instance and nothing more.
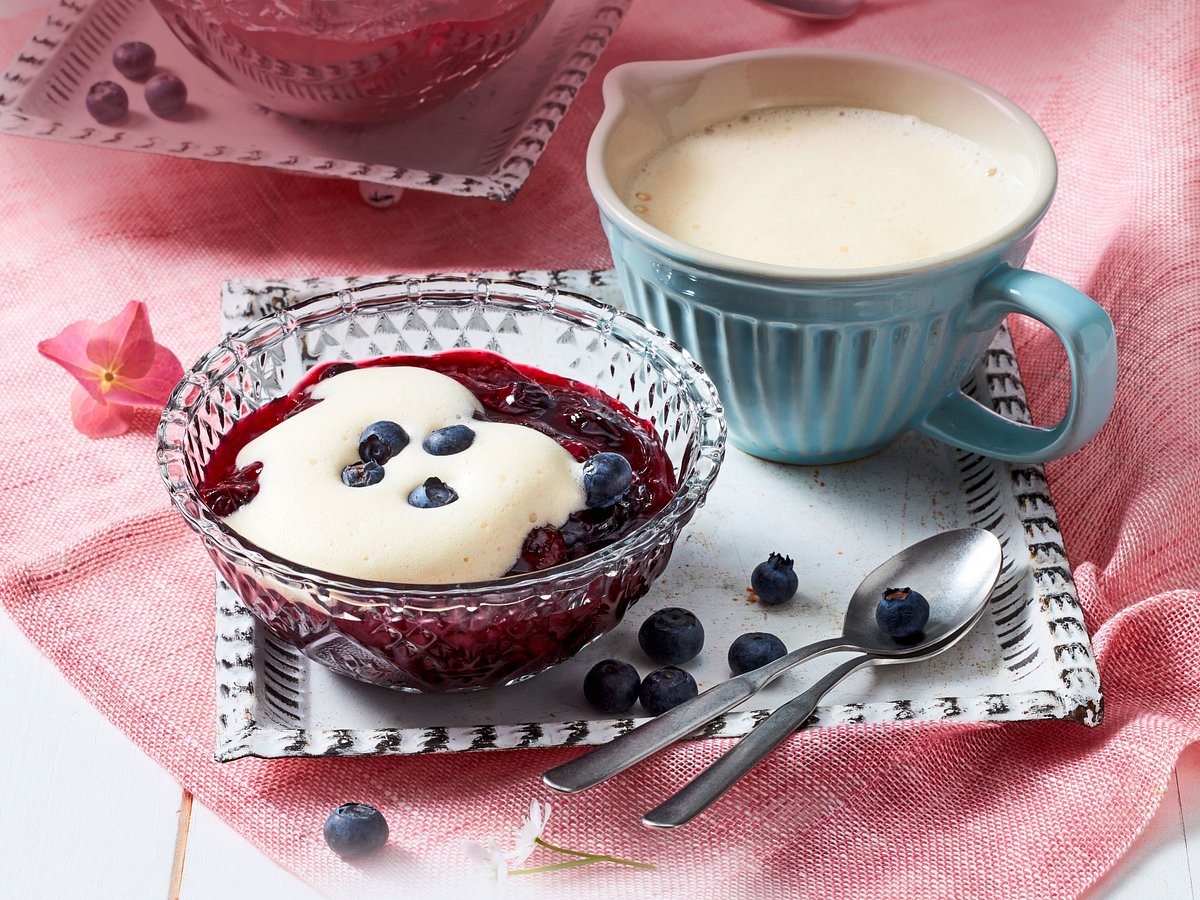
(437, 638)
(352, 60)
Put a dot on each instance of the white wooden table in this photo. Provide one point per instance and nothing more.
(97, 819)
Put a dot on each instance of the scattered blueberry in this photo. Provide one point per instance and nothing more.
(354, 830)
(671, 635)
(380, 441)
(665, 689)
(166, 94)
(902, 613)
(753, 651)
(775, 581)
(432, 494)
(107, 102)
(612, 686)
(362, 474)
(134, 59)
(449, 440)
(606, 478)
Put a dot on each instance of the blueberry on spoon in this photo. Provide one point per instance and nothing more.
(902, 613)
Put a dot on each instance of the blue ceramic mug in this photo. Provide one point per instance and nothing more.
(828, 365)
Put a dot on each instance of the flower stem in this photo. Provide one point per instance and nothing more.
(585, 858)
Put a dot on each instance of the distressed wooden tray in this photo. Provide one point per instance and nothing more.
(484, 143)
(1030, 658)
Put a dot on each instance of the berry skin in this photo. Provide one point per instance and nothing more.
(902, 613)
(754, 650)
(134, 59)
(107, 102)
(355, 830)
(449, 440)
(362, 474)
(671, 636)
(775, 581)
(432, 494)
(606, 478)
(380, 441)
(612, 686)
(665, 689)
(166, 94)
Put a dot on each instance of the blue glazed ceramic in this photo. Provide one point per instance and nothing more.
(827, 365)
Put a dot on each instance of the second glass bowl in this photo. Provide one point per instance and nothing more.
(437, 638)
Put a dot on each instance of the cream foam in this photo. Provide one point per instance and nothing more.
(511, 480)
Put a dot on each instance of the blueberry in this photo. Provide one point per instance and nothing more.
(107, 102)
(355, 830)
(449, 440)
(753, 651)
(665, 689)
(380, 441)
(432, 494)
(166, 94)
(362, 474)
(612, 686)
(606, 478)
(134, 59)
(775, 581)
(671, 636)
(902, 613)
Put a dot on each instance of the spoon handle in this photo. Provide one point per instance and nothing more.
(633, 746)
(703, 790)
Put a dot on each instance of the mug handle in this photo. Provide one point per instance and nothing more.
(1087, 334)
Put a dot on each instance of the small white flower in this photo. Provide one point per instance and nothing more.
(490, 859)
(531, 829)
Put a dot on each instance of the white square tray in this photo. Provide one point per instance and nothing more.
(1030, 658)
(481, 144)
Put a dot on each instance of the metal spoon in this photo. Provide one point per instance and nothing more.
(956, 569)
(704, 790)
(815, 9)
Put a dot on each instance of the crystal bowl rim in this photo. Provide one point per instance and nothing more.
(668, 356)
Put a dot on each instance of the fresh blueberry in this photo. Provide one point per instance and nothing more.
(354, 830)
(671, 636)
(775, 581)
(166, 94)
(606, 478)
(753, 651)
(612, 686)
(107, 102)
(380, 441)
(134, 59)
(665, 689)
(362, 474)
(432, 494)
(902, 613)
(449, 440)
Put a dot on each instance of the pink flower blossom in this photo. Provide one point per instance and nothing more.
(119, 368)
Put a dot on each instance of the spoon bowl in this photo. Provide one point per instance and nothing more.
(955, 570)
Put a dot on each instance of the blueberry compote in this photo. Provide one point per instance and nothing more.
(579, 417)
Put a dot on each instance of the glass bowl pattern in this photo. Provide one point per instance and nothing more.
(352, 60)
(437, 638)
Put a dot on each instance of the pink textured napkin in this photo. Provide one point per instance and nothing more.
(113, 588)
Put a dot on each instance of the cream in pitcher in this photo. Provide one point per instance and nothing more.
(825, 187)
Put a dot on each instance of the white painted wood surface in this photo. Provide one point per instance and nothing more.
(95, 818)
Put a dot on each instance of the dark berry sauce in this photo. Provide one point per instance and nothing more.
(579, 417)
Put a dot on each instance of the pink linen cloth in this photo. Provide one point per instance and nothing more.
(112, 586)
